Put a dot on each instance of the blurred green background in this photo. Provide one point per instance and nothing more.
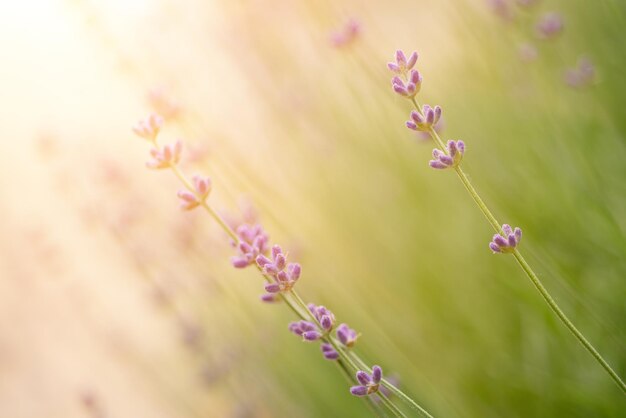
(314, 137)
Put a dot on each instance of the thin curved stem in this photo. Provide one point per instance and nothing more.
(526, 267)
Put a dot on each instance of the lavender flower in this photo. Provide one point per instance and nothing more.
(369, 383)
(507, 241)
(582, 75)
(285, 276)
(202, 188)
(347, 335)
(347, 35)
(166, 157)
(149, 127)
(424, 120)
(329, 352)
(402, 65)
(325, 317)
(253, 241)
(305, 329)
(549, 25)
(411, 88)
(455, 151)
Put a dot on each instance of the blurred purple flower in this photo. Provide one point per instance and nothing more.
(502, 9)
(581, 75)
(346, 35)
(507, 241)
(455, 151)
(549, 25)
(253, 241)
(369, 383)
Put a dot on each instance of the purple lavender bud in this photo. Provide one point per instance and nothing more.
(500, 241)
(262, 261)
(342, 333)
(447, 160)
(518, 235)
(295, 328)
(494, 247)
(506, 228)
(294, 271)
(400, 58)
(400, 90)
(276, 250)
(269, 298)
(430, 116)
(411, 125)
(437, 153)
(411, 61)
(461, 146)
(363, 378)
(452, 149)
(280, 261)
(377, 374)
(393, 67)
(397, 81)
(437, 164)
(272, 287)
(417, 118)
(329, 352)
(411, 89)
(512, 241)
(437, 113)
(282, 277)
(311, 335)
(358, 390)
(239, 262)
(415, 77)
(326, 322)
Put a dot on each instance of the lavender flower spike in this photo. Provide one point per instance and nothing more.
(507, 241)
(424, 120)
(402, 64)
(253, 241)
(549, 26)
(285, 275)
(441, 160)
(325, 317)
(305, 329)
(369, 383)
(347, 335)
(329, 352)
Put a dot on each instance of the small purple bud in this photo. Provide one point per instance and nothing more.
(446, 159)
(262, 261)
(294, 270)
(437, 164)
(270, 298)
(506, 228)
(411, 61)
(512, 241)
(377, 374)
(437, 113)
(518, 235)
(494, 247)
(430, 116)
(461, 146)
(393, 67)
(239, 262)
(400, 58)
(411, 125)
(342, 333)
(452, 148)
(311, 335)
(397, 81)
(280, 261)
(417, 118)
(363, 378)
(326, 322)
(272, 287)
(415, 77)
(500, 241)
(358, 390)
(411, 89)
(276, 250)
(400, 90)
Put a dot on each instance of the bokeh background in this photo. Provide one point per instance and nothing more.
(114, 303)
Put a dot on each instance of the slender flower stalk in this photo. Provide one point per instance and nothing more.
(316, 323)
(506, 239)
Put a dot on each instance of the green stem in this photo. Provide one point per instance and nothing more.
(551, 302)
(392, 407)
(526, 268)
